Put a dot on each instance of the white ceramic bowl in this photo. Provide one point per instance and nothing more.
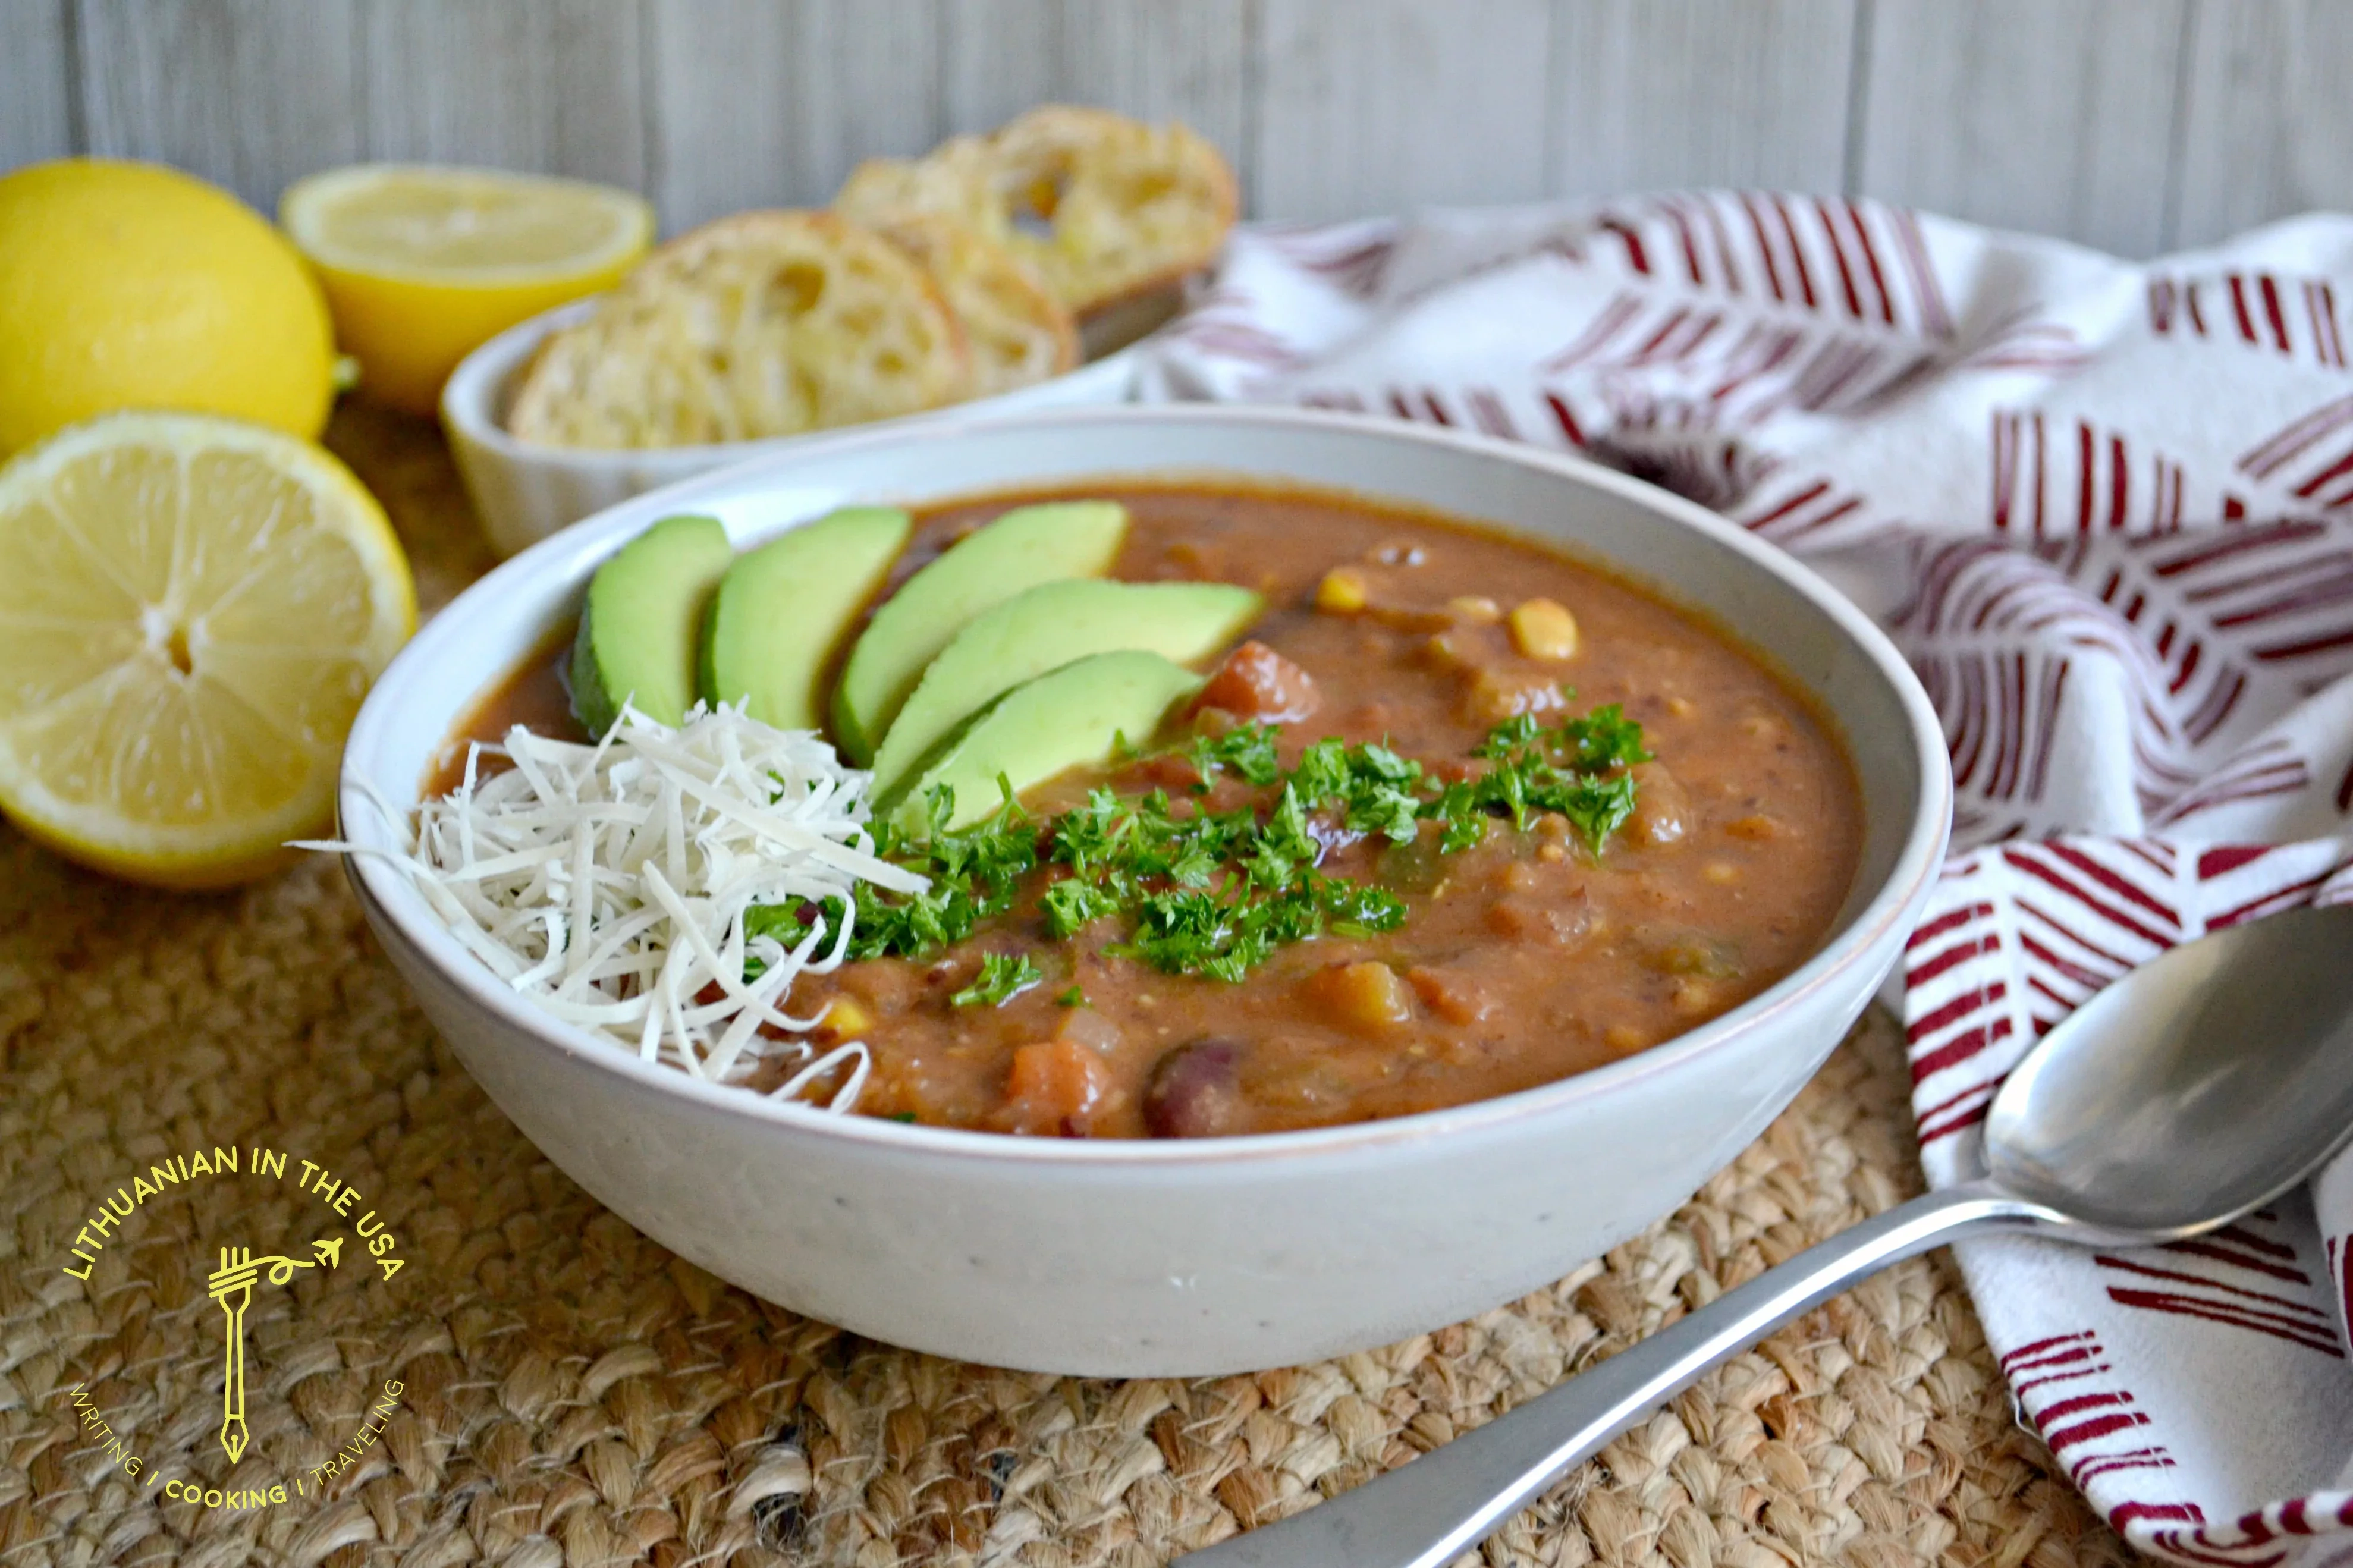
(523, 491)
(1169, 1257)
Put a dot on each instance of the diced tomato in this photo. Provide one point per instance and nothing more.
(1258, 683)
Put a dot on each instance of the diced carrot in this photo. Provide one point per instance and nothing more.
(1055, 1086)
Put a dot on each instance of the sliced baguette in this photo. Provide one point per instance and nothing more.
(1018, 332)
(1129, 208)
(765, 323)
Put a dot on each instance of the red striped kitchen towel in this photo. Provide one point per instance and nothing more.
(2107, 510)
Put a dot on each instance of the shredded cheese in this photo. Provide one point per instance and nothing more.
(608, 883)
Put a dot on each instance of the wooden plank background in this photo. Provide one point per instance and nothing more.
(2135, 125)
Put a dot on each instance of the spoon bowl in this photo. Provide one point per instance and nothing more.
(2201, 1086)
(2197, 1088)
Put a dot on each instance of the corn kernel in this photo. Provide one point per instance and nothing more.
(844, 1019)
(1342, 592)
(1474, 609)
(1721, 873)
(1542, 628)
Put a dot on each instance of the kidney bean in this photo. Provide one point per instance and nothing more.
(1196, 1090)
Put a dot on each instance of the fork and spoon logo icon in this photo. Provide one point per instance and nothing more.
(232, 1286)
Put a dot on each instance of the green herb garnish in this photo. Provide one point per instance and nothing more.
(1215, 893)
(1248, 749)
(1576, 768)
(1003, 976)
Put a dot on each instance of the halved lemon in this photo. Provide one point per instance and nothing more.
(422, 265)
(191, 610)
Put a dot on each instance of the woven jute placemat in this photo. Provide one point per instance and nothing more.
(468, 1360)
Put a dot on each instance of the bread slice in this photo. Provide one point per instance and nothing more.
(765, 323)
(1126, 208)
(1019, 332)
(956, 179)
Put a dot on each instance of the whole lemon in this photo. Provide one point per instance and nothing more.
(129, 285)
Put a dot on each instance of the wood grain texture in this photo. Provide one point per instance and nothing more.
(2266, 123)
(247, 93)
(756, 103)
(1384, 104)
(1654, 93)
(997, 58)
(2051, 115)
(36, 101)
(1156, 60)
(2130, 124)
(547, 85)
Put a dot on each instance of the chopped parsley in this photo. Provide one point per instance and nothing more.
(1215, 892)
(1248, 749)
(1577, 768)
(1003, 976)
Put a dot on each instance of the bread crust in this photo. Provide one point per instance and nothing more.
(1131, 209)
(1019, 333)
(763, 323)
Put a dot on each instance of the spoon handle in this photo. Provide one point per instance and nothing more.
(1427, 1512)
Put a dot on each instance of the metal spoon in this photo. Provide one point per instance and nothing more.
(2184, 1095)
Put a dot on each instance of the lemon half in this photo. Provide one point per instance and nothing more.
(423, 264)
(191, 610)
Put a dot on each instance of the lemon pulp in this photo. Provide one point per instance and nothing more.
(422, 264)
(191, 610)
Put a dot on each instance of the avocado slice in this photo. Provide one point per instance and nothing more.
(1070, 717)
(1047, 627)
(638, 627)
(1025, 547)
(781, 609)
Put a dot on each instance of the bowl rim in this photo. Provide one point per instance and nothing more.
(391, 901)
(470, 397)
